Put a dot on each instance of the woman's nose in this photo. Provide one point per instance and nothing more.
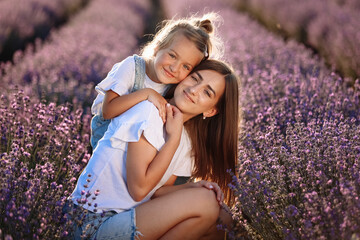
(194, 89)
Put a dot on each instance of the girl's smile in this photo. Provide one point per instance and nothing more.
(167, 73)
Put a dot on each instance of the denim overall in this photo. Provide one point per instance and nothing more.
(99, 125)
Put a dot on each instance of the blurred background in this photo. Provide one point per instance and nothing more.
(298, 173)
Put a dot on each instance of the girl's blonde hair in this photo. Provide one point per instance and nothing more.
(201, 30)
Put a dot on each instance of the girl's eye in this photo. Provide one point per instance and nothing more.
(187, 67)
(194, 78)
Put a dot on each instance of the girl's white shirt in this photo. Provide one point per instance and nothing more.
(121, 80)
(107, 166)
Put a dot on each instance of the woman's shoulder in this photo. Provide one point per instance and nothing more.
(143, 111)
(143, 118)
(145, 106)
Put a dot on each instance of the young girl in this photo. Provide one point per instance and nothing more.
(175, 50)
(135, 161)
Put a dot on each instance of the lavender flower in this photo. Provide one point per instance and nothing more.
(37, 172)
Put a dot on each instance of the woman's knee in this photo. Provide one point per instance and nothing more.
(208, 205)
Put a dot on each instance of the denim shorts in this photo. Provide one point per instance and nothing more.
(98, 129)
(109, 225)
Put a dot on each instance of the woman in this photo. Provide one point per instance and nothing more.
(135, 161)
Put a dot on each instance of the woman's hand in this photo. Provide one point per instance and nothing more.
(159, 102)
(212, 186)
(174, 122)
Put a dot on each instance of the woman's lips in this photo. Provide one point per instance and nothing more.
(188, 96)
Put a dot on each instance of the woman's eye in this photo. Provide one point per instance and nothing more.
(187, 67)
(171, 55)
(194, 78)
(207, 93)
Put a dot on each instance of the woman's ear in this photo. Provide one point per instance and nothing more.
(211, 112)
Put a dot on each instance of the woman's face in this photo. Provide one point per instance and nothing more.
(199, 93)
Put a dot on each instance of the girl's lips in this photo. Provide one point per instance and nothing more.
(188, 96)
(168, 73)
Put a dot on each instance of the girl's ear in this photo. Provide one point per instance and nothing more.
(211, 112)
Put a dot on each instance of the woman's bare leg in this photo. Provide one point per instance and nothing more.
(214, 233)
(184, 214)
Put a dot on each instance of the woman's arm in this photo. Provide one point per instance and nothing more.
(114, 104)
(145, 166)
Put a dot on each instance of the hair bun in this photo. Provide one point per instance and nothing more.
(206, 25)
(210, 23)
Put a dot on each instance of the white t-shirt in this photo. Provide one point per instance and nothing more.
(121, 80)
(107, 166)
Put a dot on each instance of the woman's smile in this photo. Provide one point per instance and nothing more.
(187, 95)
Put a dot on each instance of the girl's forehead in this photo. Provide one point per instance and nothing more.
(186, 50)
(180, 40)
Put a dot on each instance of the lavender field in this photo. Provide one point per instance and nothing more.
(24, 20)
(331, 27)
(298, 174)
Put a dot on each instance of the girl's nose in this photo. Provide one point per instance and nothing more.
(174, 67)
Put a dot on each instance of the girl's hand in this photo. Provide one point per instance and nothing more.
(212, 186)
(159, 102)
(174, 122)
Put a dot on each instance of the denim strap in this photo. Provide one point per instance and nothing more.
(139, 73)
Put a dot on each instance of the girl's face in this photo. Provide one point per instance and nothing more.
(199, 93)
(173, 63)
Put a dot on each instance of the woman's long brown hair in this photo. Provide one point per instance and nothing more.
(215, 139)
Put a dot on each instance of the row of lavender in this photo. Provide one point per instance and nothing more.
(329, 26)
(66, 67)
(44, 145)
(24, 20)
(299, 169)
(349, 4)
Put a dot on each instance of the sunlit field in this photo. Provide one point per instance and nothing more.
(298, 174)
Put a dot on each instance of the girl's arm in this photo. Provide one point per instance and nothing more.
(114, 104)
(169, 187)
(166, 189)
(144, 165)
